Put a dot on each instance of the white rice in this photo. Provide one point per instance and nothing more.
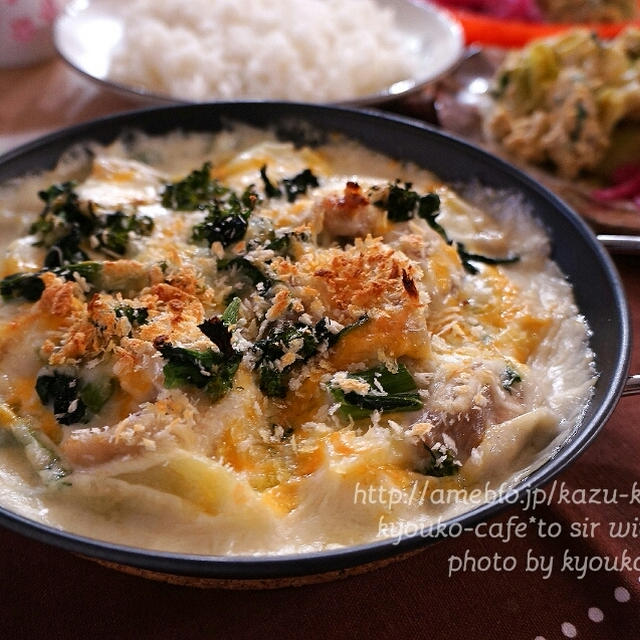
(303, 50)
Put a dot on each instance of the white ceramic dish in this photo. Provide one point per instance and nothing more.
(87, 33)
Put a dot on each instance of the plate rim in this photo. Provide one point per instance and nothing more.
(454, 28)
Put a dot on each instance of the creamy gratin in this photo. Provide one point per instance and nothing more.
(228, 344)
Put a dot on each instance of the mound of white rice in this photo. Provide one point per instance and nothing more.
(303, 50)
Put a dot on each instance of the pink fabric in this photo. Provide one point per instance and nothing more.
(509, 9)
(23, 29)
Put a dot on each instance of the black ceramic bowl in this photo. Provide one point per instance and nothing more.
(598, 293)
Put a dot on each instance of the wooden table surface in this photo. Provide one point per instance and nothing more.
(48, 593)
(49, 96)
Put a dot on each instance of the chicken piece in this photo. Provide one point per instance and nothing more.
(350, 214)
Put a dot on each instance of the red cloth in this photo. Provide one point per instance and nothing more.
(48, 593)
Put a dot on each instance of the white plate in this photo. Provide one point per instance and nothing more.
(88, 31)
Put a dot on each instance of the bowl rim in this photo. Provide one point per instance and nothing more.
(276, 566)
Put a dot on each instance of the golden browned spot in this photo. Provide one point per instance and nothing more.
(351, 200)
(363, 277)
(90, 330)
(59, 297)
(174, 313)
(280, 304)
(167, 292)
(100, 311)
(185, 280)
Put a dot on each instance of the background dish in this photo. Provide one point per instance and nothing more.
(458, 100)
(488, 30)
(88, 32)
(576, 251)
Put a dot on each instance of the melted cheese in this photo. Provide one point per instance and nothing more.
(247, 472)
